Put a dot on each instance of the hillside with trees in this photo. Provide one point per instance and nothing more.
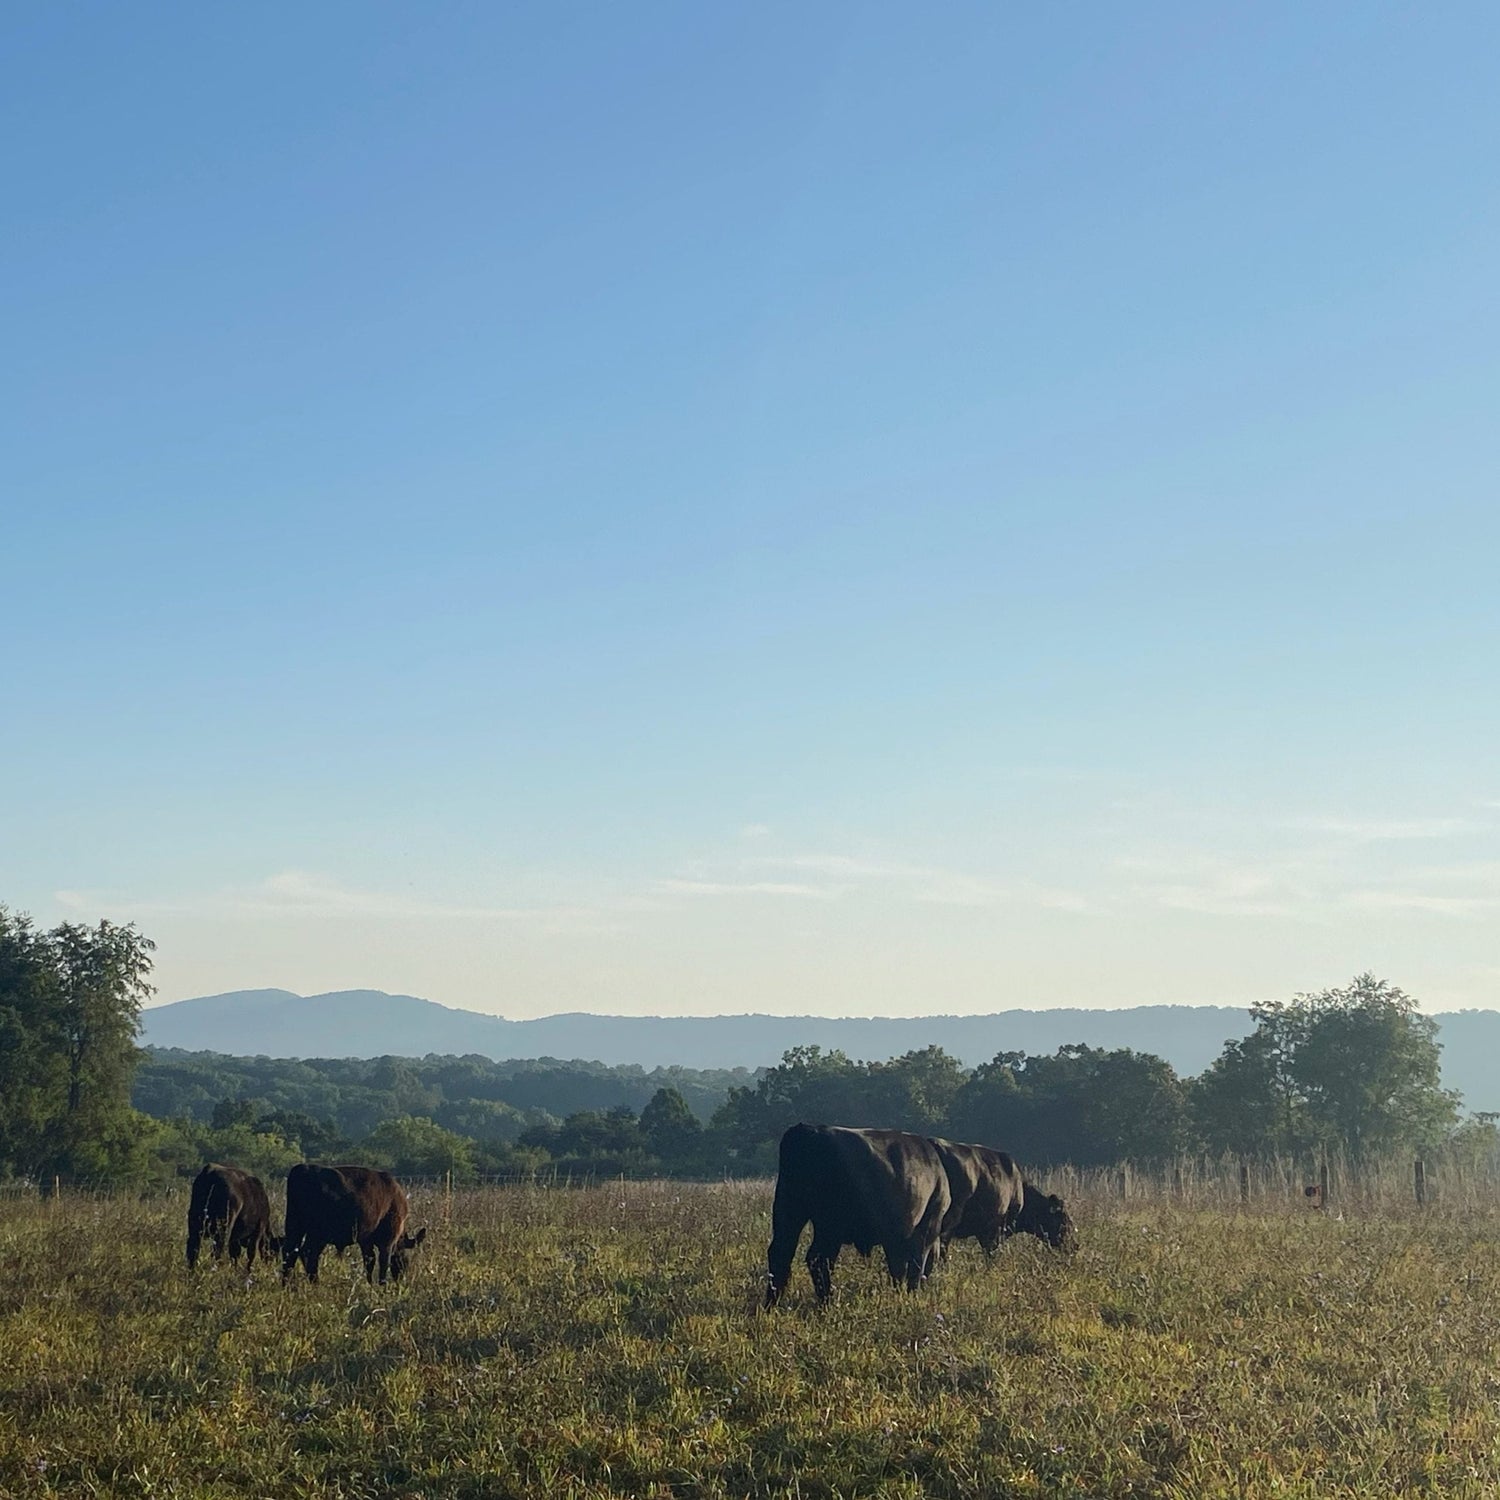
(1354, 1070)
(372, 1024)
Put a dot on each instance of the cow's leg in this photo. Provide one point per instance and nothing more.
(242, 1238)
(312, 1253)
(787, 1223)
(221, 1232)
(926, 1244)
(385, 1261)
(367, 1252)
(908, 1260)
(821, 1256)
(897, 1252)
(289, 1249)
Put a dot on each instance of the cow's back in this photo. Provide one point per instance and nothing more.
(986, 1190)
(895, 1177)
(227, 1200)
(860, 1186)
(342, 1204)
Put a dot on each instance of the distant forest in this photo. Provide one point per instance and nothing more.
(1353, 1069)
(472, 1095)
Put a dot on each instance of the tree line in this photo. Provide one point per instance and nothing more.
(1354, 1069)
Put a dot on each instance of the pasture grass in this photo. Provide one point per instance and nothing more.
(605, 1341)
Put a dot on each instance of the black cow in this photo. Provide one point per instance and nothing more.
(858, 1187)
(231, 1208)
(991, 1200)
(343, 1206)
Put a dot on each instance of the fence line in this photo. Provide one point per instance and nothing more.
(1331, 1183)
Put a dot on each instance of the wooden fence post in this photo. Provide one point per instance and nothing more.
(1323, 1183)
(1124, 1181)
(1177, 1180)
(1245, 1184)
(1419, 1180)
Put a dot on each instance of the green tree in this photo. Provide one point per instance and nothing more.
(70, 1003)
(265, 1152)
(1243, 1102)
(103, 979)
(414, 1145)
(1135, 1107)
(31, 1073)
(313, 1138)
(607, 1142)
(231, 1112)
(1357, 1068)
(916, 1091)
(1084, 1105)
(1367, 1063)
(991, 1107)
(482, 1119)
(670, 1129)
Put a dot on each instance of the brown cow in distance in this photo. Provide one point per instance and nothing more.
(857, 1187)
(991, 1200)
(231, 1208)
(343, 1206)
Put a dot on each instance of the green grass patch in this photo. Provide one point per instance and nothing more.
(606, 1342)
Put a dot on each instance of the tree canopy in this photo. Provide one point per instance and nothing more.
(70, 1003)
(1354, 1068)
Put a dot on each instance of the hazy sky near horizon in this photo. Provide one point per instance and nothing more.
(688, 508)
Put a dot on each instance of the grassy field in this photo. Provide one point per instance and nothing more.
(604, 1342)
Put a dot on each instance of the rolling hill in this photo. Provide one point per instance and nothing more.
(371, 1023)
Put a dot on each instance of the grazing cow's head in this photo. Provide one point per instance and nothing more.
(1043, 1215)
(273, 1243)
(402, 1249)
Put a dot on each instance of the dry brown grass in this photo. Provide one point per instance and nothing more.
(604, 1342)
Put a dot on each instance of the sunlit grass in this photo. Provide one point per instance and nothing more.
(605, 1342)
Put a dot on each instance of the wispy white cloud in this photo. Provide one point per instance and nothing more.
(841, 864)
(1424, 901)
(1193, 882)
(1219, 903)
(1314, 882)
(1377, 830)
(849, 875)
(742, 888)
(300, 894)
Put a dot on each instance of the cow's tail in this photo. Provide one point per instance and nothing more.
(197, 1213)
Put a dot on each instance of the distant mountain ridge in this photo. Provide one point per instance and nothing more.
(371, 1023)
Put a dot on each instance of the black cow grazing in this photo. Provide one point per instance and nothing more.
(992, 1200)
(343, 1206)
(858, 1187)
(1043, 1215)
(231, 1208)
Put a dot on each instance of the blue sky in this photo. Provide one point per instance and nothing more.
(682, 508)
